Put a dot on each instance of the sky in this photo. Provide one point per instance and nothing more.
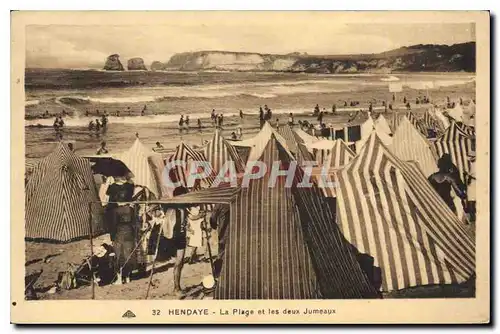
(87, 46)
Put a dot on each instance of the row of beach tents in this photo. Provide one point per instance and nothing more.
(387, 229)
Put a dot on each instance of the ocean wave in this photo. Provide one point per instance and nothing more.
(391, 78)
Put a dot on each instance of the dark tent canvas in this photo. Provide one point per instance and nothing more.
(281, 243)
(58, 196)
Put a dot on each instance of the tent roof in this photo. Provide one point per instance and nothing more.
(218, 151)
(136, 158)
(409, 144)
(387, 209)
(259, 142)
(381, 125)
(57, 198)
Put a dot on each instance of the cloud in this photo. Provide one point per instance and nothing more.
(89, 45)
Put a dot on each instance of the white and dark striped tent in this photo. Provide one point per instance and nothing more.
(431, 121)
(187, 154)
(321, 149)
(334, 155)
(58, 196)
(260, 140)
(137, 159)
(458, 144)
(396, 119)
(296, 144)
(410, 145)
(469, 130)
(307, 138)
(388, 210)
(381, 125)
(417, 123)
(282, 243)
(218, 151)
(443, 120)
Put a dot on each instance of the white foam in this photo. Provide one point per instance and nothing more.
(32, 102)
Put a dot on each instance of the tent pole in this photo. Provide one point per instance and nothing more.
(91, 251)
(208, 247)
(154, 261)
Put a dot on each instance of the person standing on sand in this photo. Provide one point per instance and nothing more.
(261, 116)
(187, 121)
(269, 114)
(179, 238)
(316, 110)
(199, 124)
(241, 114)
(91, 127)
(334, 108)
(97, 125)
(446, 179)
(320, 117)
(118, 113)
(221, 119)
(239, 132)
(291, 121)
(102, 150)
(213, 116)
(121, 226)
(181, 123)
(143, 111)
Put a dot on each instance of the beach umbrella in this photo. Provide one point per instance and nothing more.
(110, 167)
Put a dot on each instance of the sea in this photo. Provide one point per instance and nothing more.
(84, 95)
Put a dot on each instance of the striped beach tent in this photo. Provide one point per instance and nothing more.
(137, 159)
(218, 151)
(469, 130)
(259, 142)
(458, 144)
(58, 196)
(381, 125)
(410, 145)
(281, 243)
(395, 119)
(417, 123)
(325, 178)
(444, 121)
(307, 138)
(325, 175)
(457, 113)
(431, 121)
(333, 153)
(321, 149)
(387, 209)
(186, 153)
(296, 144)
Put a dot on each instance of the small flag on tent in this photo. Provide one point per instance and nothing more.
(395, 87)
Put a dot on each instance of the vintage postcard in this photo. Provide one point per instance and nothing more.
(250, 167)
